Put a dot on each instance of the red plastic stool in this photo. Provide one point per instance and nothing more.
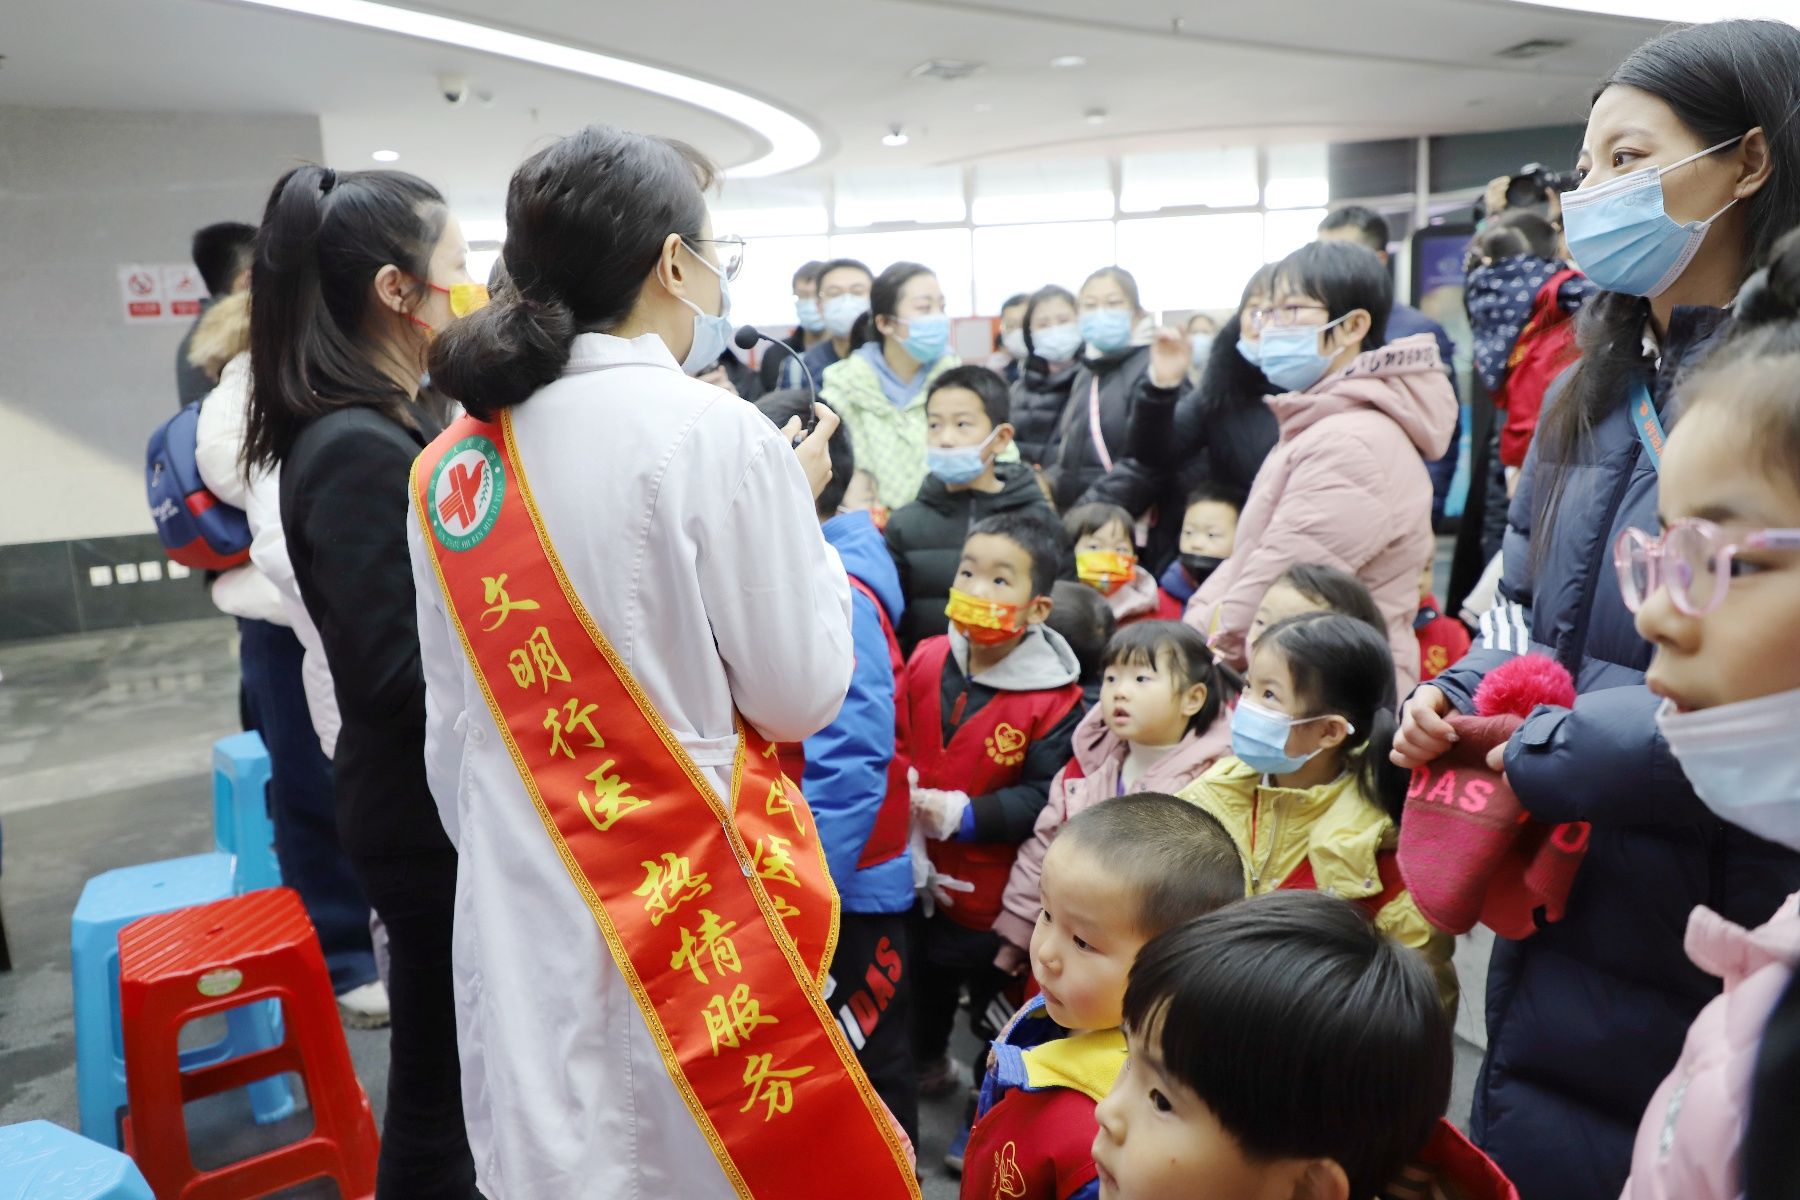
(196, 961)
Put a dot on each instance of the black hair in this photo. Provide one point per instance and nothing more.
(807, 270)
(1344, 666)
(1085, 620)
(1215, 493)
(1308, 1032)
(221, 252)
(837, 264)
(324, 238)
(1201, 315)
(781, 407)
(1343, 277)
(1231, 387)
(1370, 226)
(1176, 856)
(1092, 517)
(1125, 279)
(1047, 292)
(996, 400)
(1339, 591)
(586, 220)
(1755, 373)
(1517, 231)
(1721, 79)
(1037, 535)
(1016, 298)
(1182, 651)
(884, 299)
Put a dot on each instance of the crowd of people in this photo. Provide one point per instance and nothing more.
(706, 753)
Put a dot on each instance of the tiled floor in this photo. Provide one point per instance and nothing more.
(104, 745)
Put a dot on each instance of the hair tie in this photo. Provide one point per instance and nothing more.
(327, 181)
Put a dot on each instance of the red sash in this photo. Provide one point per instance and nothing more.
(722, 920)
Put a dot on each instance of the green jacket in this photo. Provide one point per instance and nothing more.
(889, 441)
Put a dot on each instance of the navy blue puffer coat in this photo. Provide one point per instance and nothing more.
(1587, 1016)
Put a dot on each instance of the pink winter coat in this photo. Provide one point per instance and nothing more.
(1092, 777)
(1344, 487)
(1687, 1145)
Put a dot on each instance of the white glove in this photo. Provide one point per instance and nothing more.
(933, 888)
(943, 885)
(938, 813)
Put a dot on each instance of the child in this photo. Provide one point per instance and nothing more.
(991, 710)
(1157, 729)
(1308, 587)
(1208, 533)
(1443, 639)
(1309, 796)
(1718, 595)
(1282, 1047)
(1106, 560)
(1117, 876)
(1346, 484)
(863, 496)
(1085, 621)
(966, 430)
(856, 783)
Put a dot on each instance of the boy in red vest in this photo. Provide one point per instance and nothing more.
(991, 711)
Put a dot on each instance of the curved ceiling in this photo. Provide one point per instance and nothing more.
(1165, 74)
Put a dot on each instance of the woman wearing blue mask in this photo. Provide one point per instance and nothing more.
(1053, 345)
(901, 343)
(1346, 484)
(1689, 177)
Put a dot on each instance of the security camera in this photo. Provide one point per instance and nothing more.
(453, 88)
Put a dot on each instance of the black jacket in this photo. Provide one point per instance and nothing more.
(345, 488)
(1038, 400)
(768, 372)
(926, 539)
(1124, 379)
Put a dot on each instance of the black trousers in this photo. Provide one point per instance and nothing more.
(949, 959)
(424, 1144)
(871, 996)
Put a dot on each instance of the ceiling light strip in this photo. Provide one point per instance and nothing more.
(792, 142)
(1691, 12)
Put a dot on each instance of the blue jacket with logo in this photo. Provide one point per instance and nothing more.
(1588, 1015)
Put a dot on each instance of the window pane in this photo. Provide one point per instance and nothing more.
(1224, 178)
(1013, 193)
(1298, 177)
(764, 293)
(1023, 258)
(1286, 231)
(1192, 262)
(771, 208)
(481, 264)
(945, 251)
(925, 195)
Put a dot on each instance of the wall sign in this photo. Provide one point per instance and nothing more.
(160, 293)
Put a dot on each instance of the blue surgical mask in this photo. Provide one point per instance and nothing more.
(958, 465)
(1259, 737)
(927, 338)
(1199, 348)
(807, 311)
(1249, 351)
(1057, 343)
(1106, 329)
(840, 313)
(1623, 240)
(1290, 355)
(1740, 760)
(711, 334)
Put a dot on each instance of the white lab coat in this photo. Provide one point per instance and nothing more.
(687, 528)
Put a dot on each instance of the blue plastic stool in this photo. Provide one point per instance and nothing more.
(41, 1161)
(241, 824)
(108, 903)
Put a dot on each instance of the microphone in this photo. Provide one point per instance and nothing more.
(746, 338)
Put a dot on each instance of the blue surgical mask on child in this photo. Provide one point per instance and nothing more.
(1259, 737)
(1290, 354)
(711, 334)
(1106, 329)
(958, 465)
(927, 338)
(1621, 237)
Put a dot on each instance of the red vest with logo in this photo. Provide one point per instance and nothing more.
(983, 753)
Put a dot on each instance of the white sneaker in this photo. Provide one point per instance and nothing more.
(365, 1007)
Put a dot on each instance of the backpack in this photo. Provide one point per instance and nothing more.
(1546, 348)
(197, 529)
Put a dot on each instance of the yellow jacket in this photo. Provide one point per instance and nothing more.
(1335, 828)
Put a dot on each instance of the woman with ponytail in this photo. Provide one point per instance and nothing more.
(1690, 173)
(623, 589)
(354, 274)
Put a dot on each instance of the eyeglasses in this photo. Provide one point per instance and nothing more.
(1282, 317)
(1693, 559)
(731, 254)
